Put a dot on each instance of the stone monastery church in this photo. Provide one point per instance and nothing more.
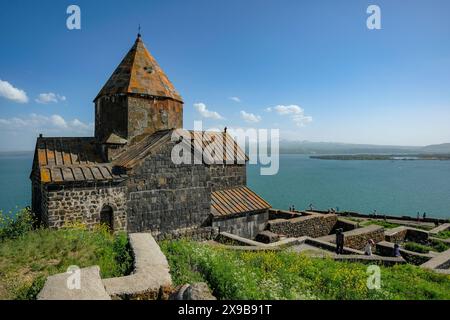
(124, 176)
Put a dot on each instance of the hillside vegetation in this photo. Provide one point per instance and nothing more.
(236, 274)
(28, 256)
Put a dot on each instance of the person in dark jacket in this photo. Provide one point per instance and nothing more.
(339, 241)
(396, 252)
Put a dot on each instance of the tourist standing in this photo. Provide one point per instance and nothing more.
(339, 241)
(424, 215)
(418, 216)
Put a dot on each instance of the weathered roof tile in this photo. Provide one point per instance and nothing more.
(139, 73)
(236, 201)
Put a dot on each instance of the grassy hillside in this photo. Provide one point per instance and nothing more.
(285, 275)
(27, 256)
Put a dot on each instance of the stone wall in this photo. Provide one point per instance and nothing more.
(196, 234)
(111, 117)
(402, 233)
(346, 224)
(164, 196)
(227, 176)
(83, 204)
(357, 238)
(146, 116)
(131, 116)
(247, 226)
(314, 226)
(385, 248)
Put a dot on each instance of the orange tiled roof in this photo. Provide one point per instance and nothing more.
(62, 160)
(139, 73)
(236, 200)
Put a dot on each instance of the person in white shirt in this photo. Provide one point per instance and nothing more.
(368, 247)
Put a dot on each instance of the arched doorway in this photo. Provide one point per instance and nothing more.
(107, 217)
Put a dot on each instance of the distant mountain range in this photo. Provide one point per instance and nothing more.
(330, 148)
(307, 147)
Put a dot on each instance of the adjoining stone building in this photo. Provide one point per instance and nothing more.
(125, 177)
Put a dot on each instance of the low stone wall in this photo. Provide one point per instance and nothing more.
(442, 227)
(386, 249)
(247, 226)
(441, 261)
(267, 236)
(282, 214)
(402, 233)
(196, 234)
(316, 225)
(346, 224)
(326, 245)
(357, 238)
(235, 240)
(151, 271)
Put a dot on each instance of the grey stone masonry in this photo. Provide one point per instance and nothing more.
(164, 196)
(247, 226)
(441, 261)
(315, 225)
(84, 204)
(357, 238)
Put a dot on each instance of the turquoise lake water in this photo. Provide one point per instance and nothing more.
(391, 187)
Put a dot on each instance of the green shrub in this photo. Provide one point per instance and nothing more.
(417, 247)
(15, 225)
(443, 234)
(432, 245)
(439, 246)
(289, 275)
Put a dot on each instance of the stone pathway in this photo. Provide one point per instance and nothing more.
(151, 271)
(442, 227)
(57, 287)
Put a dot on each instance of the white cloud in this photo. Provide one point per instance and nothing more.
(235, 99)
(54, 124)
(9, 92)
(205, 113)
(296, 113)
(250, 117)
(50, 97)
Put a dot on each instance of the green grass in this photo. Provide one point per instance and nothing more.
(385, 224)
(432, 245)
(443, 234)
(28, 257)
(417, 247)
(287, 275)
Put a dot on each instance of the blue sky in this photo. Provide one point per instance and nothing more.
(314, 64)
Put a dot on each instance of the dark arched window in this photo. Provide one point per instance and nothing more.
(107, 217)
